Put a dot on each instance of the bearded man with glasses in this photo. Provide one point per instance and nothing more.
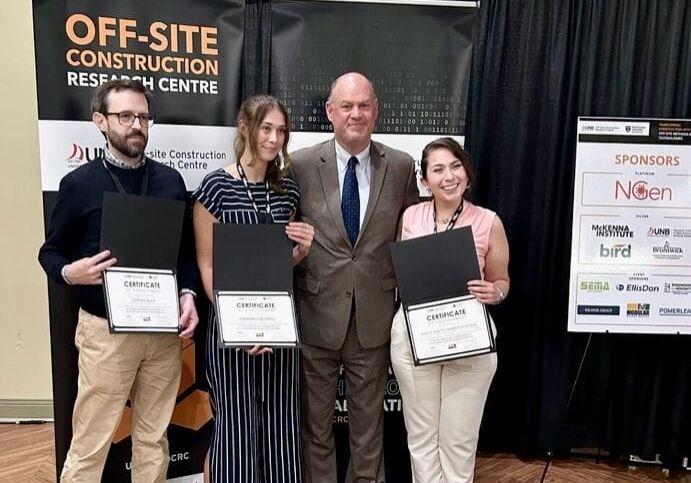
(115, 367)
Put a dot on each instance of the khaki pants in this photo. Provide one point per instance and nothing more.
(442, 408)
(113, 367)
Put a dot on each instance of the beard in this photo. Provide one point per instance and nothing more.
(130, 144)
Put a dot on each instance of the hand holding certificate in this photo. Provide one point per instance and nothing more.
(143, 233)
(444, 322)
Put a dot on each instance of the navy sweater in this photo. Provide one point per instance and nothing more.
(75, 225)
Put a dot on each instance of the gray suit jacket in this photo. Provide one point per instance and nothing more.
(334, 273)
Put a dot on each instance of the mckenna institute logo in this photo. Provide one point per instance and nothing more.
(612, 231)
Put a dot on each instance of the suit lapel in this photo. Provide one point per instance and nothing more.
(328, 172)
(378, 170)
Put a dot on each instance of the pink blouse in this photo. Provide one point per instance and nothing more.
(418, 220)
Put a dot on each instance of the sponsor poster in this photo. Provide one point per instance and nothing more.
(631, 236)
(418, 55)
(189, 55)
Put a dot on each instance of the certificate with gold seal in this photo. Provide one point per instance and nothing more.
(256, 318)
(448, 329)
(141, 300)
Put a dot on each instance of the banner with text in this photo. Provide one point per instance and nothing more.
(631, 236)
(189, 55)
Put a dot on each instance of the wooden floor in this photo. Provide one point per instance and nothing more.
(26, 456)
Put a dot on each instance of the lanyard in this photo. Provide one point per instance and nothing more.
(121, 189)
(455, 216)
(270, 217)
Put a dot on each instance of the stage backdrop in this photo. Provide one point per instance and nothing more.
(418, 55)
(189, 55)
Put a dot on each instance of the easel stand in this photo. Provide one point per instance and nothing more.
(567, 408)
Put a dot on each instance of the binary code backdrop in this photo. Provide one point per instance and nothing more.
(418, 55)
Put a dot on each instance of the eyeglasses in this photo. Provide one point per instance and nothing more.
(126, 118)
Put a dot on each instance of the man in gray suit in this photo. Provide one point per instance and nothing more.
(353, 191)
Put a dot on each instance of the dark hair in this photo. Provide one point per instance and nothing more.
(451, 145)
(99, 101)
(252, 113)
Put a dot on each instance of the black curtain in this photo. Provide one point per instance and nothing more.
(538, 65)
(256, 55)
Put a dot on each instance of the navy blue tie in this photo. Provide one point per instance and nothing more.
(350, 202)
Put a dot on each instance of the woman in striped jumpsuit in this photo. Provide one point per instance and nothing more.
(254, 392)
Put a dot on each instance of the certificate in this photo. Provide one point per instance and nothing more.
(256, 318)
(141, 300)
(448, 329)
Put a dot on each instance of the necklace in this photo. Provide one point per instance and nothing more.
(450, 221)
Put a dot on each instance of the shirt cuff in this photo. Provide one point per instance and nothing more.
(63, 274)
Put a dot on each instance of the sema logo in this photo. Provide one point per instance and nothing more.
(641, 191)
(594, 286)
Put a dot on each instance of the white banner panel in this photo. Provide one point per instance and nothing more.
(631, 237)
(193, 150)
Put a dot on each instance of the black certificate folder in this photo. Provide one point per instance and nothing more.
(252, 258)
(444, 322)
(435, 267)
(141, 231)
(253, 286)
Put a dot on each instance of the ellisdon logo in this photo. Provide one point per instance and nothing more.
(635, 309)
(612, 231)
(654, 231)
(675, 312)
(635, 287)
(593, 286)
(639, 190)
(619, 250)
(80, 155)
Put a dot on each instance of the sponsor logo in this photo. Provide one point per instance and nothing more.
(598, 310)
(667, 252)
(619, 250)
(627, 128)
(678, 288)
(641, 191)
(675, 311)
(591, 286)
(80, 154)
(610, 231)
(636, 287)
(635, 309)
(654, 231)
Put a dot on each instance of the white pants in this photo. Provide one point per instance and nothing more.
(442, 408)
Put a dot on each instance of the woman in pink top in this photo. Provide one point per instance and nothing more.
(443, 402)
